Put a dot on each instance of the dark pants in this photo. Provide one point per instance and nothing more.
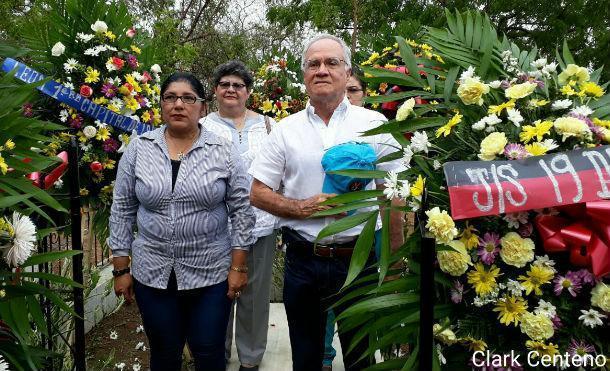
(171, 317)
(310, 285)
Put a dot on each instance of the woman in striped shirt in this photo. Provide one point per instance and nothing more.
(181, 185)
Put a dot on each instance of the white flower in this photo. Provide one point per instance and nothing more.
(405, 109)
(469, 73)
(546, 308)
(514, 116)
(70, 65)
(546, 262)
(478, 302)
(591, 318)
(514, 287)
(539, 63)
(120, 366)
(487, 122)
(136, 367)
(99, 26)
(549, 144)
(155, 68)
(391, 185)
(436, 165)
(58, 49)
(495, 84)
(89, 131)
(136, 75)
(404, 190)
(58, 183)
(581, 110)
(85, 147)
(515, 219)
(23, 236)
(441, 358)
(419, 142)
(407, 156)
(92, 51)
(69, 85)
(117, 102)
(110, 66)
(561, 104)
(140, 328)
(63, 115)
(140, 345)
(84, 37)
(3, 364)
(114, 335)
(550, 68)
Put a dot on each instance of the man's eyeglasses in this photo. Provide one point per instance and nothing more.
(353, 89)
(228, 84)
(188, 99)
(330, 63)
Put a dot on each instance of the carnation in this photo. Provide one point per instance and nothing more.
(441, 225)
(404, 110)
(573, 72)
(600, 296)
(419, 142)
(516, 251)
(155, 68)
(99, 26)
(537, 326)
(471, 91)
(447, 336)
(58, 49)
(561, 104)
(89, 131)
(454, 262)
(571, 127)
(520, 90)
(492, 145)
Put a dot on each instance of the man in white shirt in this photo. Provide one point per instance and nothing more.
(292, 156)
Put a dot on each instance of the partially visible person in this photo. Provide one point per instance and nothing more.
(355, 89)
(247, 130)
(182, 186)
(316, 269)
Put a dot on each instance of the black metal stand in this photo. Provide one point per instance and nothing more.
(426, 304)
(77, 260)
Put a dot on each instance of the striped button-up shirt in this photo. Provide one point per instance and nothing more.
(185, 229)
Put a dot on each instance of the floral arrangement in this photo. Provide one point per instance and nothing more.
(105, 67)
(476, 98)
(277, 92)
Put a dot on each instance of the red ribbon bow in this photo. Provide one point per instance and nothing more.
(586, 234)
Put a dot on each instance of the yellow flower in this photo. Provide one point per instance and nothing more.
(510, 309)
(100, 100)
(83, 192)
(438, 58)
(3, 166)
(92, 75)
(536, 149)
(516, 251)
(483, 281)
(454, 262)
(405, 109)
(571, 127)
(538, 102)
(469, 238)
(146, 116)
(156, 116)
(573, 73)
(600, 296)
(474, 344)
(113, 108)
(131, 103)
(445, 130)
(135, 49)
(519, 91)
(133, 82)
(418, 187)
(568, 90)
(9, 145)
(497, 110)
(471, 91)
(109, 164)
(82, 137)
(267, 106)
(537, 326)
(110, 35)
(441, 225)
(591, 89)
(602, 123)
(541, 349)
(371, 59)
(102, 133)
(527, 133)
(493, 145)
(446, 336)
(536, 277)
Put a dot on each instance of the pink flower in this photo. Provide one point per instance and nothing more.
(28, 109)
(76, 121)
(571, 282)
(488, 247)
(132, 61)
(110, 145)
(130, 33)
(109, 90)
(557, 324)
(580, 348)
(525, 230)
(515, 151)
(456, 292)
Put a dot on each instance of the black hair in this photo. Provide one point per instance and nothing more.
(357, 74)
(236, 68)
(187, 77)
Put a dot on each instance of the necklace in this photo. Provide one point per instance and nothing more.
(181, 154)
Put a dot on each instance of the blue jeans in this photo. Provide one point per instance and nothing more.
(329, 351)
(171, 318)
(311, 285)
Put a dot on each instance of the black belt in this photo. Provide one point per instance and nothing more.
(295, 241)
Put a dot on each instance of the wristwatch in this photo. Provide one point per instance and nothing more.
(242, 269)
(120, 272)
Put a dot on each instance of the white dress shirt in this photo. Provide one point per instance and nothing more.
(293, 154)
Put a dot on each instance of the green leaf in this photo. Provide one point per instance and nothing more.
(409, 125)
(567, 56)
(449, 82)
(52, 278)
(409, 59)
(384, 256)
(411, 363)
(364, 174)
(344, 224)
(400, 96)
(347, 207)
(376, 303)
(353, 196)
(36, 313)
(8, 201)
(362, 250)
(49, 256)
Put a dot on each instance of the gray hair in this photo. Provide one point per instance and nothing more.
(347, 53)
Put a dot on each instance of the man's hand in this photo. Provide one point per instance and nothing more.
(311, 205)
(123, 285)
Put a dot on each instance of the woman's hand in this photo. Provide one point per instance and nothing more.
(123, 285)
(237, 282)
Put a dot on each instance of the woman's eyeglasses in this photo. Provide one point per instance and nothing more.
(353, 89)
(228, 84)
(187, 99)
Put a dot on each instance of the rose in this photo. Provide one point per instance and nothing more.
(58, 49)
(471, 91)
(130, 33)
(492, 145)
(146, 77)
(99, 26)
(118, 62)
(155, 68)
(96, 166)
(519, 91)
(86, 91)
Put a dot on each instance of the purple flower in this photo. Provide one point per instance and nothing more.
(456, 292)
(515, 151)
(110, 145)
(571, 282)
(488, 247)
(132, 61)
(525, 230)
(141, 100)
(580, 348)
(586, 277)
(28, 109)
(76, 121)
(109, 90)
(557, 324)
